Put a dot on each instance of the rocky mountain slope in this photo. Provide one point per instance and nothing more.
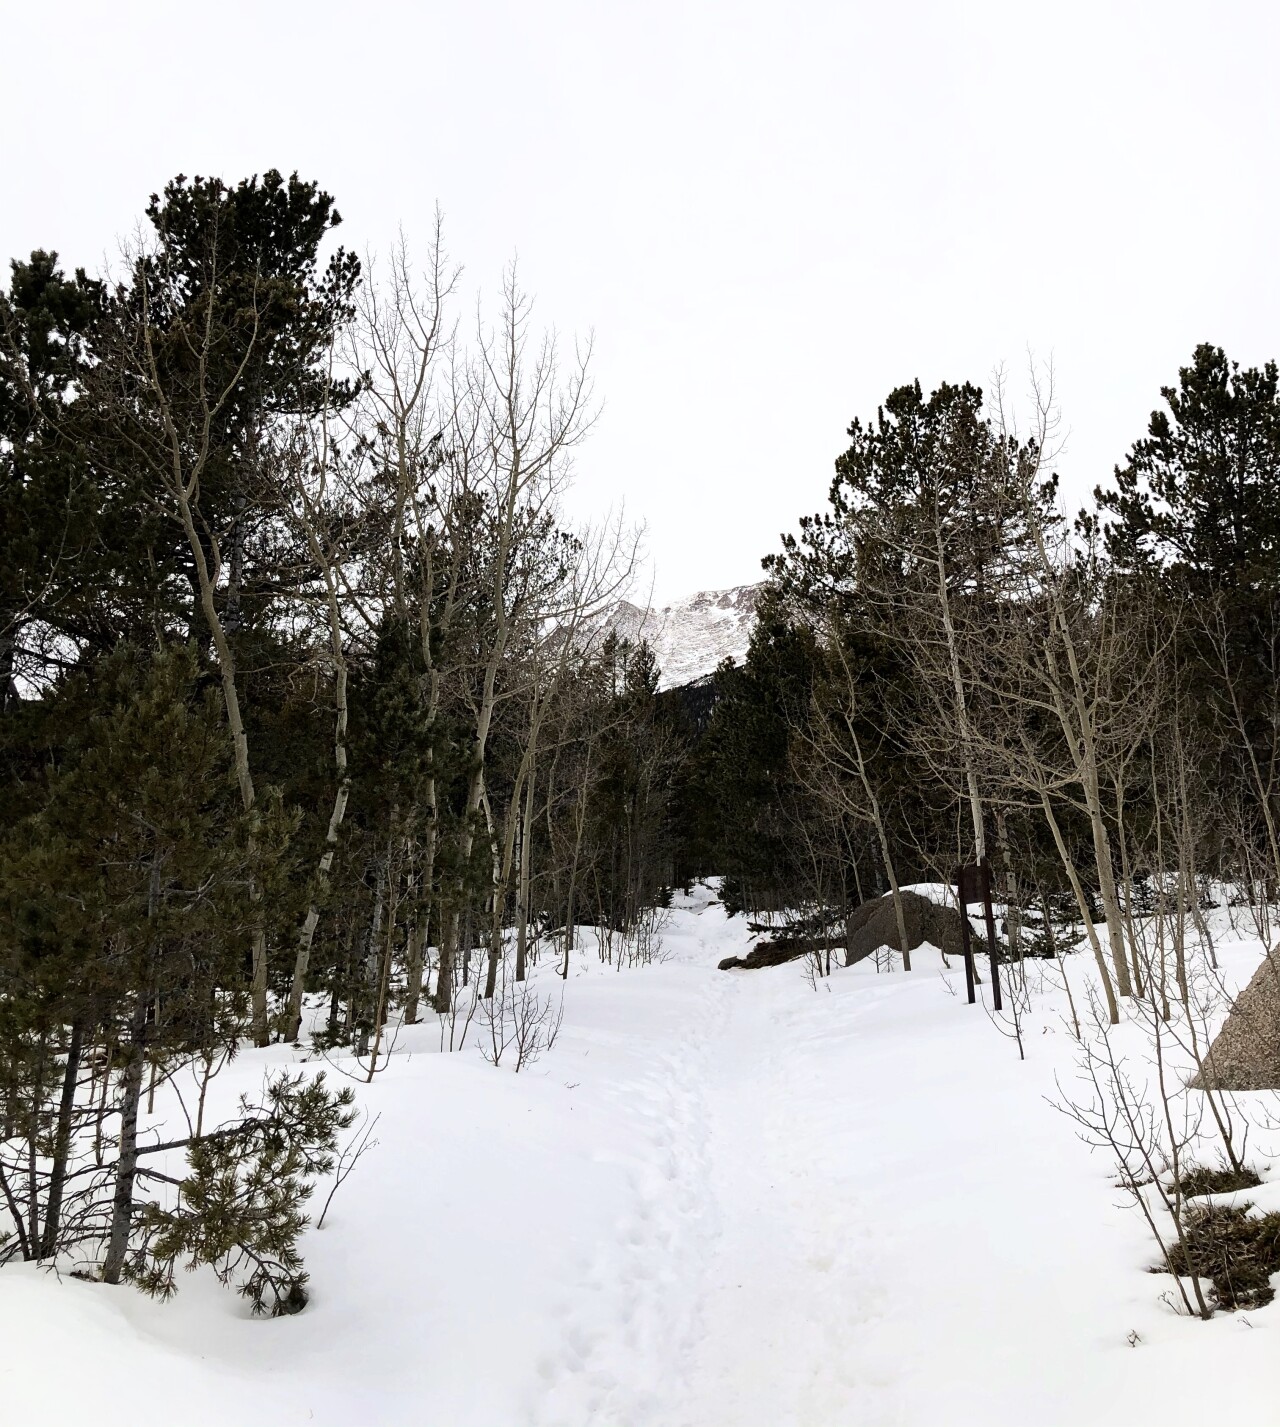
(691, 636)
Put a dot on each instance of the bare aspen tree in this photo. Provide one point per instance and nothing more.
(311, 514)
(1094, 670)
(516, 418)
(400, 483)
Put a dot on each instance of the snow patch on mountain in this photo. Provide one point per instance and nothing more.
(691, 637)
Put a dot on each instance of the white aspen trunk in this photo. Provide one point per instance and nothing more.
(1079, 735)
(384, 978)
(1082, 902)
(371, 952)
(1014, 917)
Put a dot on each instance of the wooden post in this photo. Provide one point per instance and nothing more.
(973, 884)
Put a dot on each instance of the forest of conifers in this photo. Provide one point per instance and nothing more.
(312, 723)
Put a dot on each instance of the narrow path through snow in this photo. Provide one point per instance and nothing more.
(794, 1273)
(743, 1272)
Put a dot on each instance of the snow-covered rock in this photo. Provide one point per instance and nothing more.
(690, 637)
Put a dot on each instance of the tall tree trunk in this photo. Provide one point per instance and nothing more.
(239, 748)
(306, 935)
(579, 826)
(33, 1142)
(127, 1164)
(1082, 902)
(1126, 873)
(522, 896)
(1110, 897)
(62, 1141)
(1014, 917)
(502, 864)
(415, 960)
(1077, 727)
(368, 991)
(384, 977)
(421, 937)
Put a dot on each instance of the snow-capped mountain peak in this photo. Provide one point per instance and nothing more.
(690, 637)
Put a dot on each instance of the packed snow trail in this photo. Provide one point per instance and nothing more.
(722, 1200)
(863, 1211)
(794, 1273)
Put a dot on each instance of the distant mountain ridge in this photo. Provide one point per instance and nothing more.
(690, 637)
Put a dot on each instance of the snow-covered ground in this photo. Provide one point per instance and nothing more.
(722, 1200)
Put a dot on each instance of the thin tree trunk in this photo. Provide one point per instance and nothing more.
(62, 1141)
(419, 938)
(522, 896)
(1082, 902)
(9, 628)
(15, 1213)
(325, 564)
(1078, 731)
(502, 865)
(1014, 917)
(127, 1165)
(306, 936)
(33, 1141)
(384, 979)
(240, 752)
(1126, 873)
(579, 825)
(371, 956)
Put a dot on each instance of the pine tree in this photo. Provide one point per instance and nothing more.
(49, 526)
(123, 904)
(1193, 520)
(1199, 498)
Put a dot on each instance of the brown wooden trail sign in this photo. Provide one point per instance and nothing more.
(973, 884)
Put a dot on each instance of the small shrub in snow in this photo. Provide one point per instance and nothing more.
(519, 1019)
(1235, 1248)
(1203, 1180)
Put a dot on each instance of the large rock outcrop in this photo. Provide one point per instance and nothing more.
(1245, 1054)
(871, 926)
(874, 925)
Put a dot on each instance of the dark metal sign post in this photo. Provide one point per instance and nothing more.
(965, 936)
(973, 884)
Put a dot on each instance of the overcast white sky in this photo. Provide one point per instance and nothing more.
(769, 214)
